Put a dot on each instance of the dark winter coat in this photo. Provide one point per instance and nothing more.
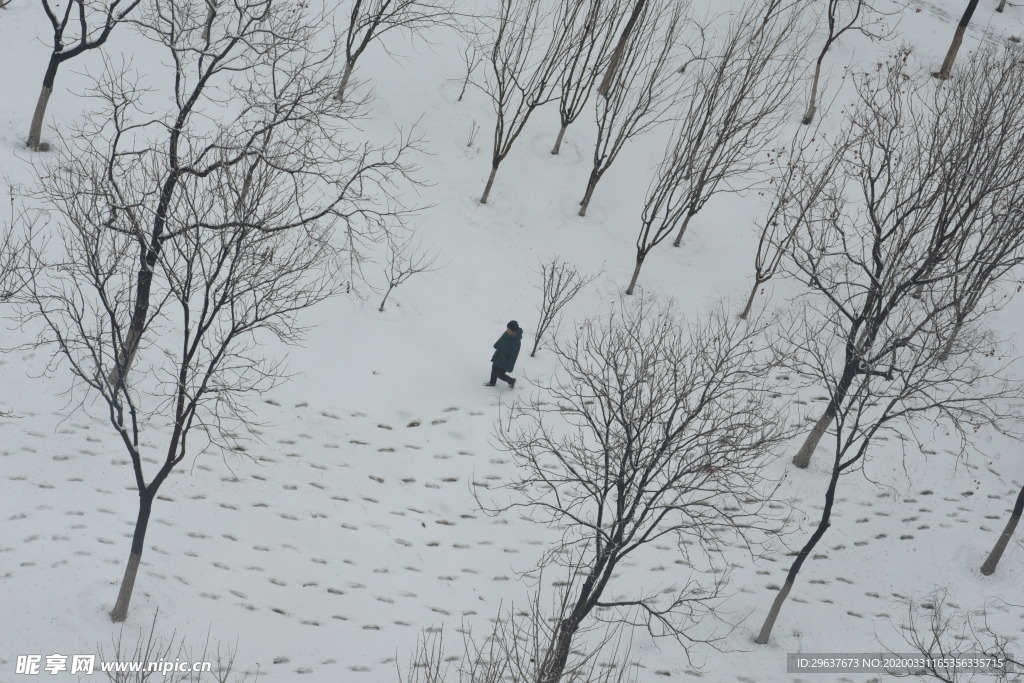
(507, 351)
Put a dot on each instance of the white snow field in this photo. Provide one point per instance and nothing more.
(325, 549)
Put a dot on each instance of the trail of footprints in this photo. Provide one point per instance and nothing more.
(325, 497)
(328, 493)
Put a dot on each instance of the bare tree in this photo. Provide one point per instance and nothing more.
(589, 28)
(841, 16)
(992, 561)
(183, 244)
(932, 174)
(522, 73)
(911, 386)
(405, 259)
(369, 20)
(738, 98)
(560, 283)
(651, 430)
(642, 90)
(803, 192)
(947, 642)
(83, 25)
(958, 38)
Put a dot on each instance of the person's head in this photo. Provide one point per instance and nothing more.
(513, 328)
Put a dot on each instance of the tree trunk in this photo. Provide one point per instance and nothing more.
(124, 595)
(773, 614)
(682, 229)
(1002, 5)
(36, 129)
(211, 14)
(490, 183)
(558, 142)
(636, 273)
(812, 106)
(750, 299)
(823, 525)
(587, 196)
(958, 37)
(556, 657)
(126, 356)
(385, 299)
(1004, 539)
(340, 96)
(803, 457)
(620, 47)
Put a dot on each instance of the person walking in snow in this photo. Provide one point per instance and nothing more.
(507, 351)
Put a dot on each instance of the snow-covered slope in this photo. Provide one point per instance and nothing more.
(327, 546)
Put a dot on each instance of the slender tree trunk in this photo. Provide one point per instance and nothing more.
(385, 299)
(682, 229)
(958, 37)
(812, 106)
(620, 47)
(558, 142)
(490, 183)
(126, 356)
(340, 96)
(131, 570)
(1002, 5)
(36, 129)
(591, 185)
(1004, 539)
(144, 282)
(636, 272)
(750, 299)
(211, 14)
(803, 457)
(558, 655)
(823, 525)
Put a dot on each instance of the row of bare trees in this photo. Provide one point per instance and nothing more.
(728, 95)
(84, 25)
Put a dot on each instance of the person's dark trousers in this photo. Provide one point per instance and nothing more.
(498, 373)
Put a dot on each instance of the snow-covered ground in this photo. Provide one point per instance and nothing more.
(328, 547)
